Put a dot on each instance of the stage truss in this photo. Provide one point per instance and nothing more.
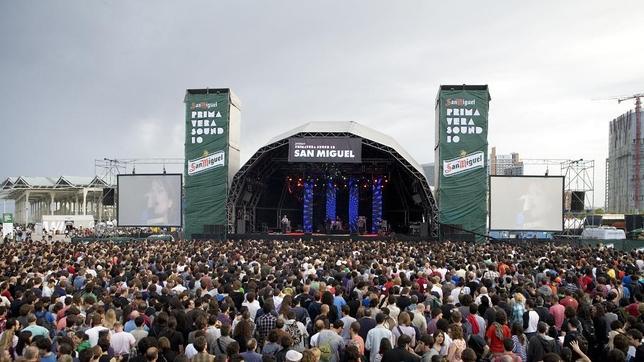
(579, 176)
(109, 168)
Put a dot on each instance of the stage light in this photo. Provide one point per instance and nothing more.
(331, 198)
(376, 205)
(307, 212)
(354, 199)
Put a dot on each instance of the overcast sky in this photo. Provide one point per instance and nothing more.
(83, 80)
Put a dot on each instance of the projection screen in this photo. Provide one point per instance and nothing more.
(526, 203)
(149, 200)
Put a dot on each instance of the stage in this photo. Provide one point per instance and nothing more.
(331, 237)
(337, 176)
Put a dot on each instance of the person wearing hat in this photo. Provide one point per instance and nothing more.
(293, 356)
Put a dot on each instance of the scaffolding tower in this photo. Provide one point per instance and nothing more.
(579, 177)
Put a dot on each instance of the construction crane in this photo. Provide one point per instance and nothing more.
(636, 154)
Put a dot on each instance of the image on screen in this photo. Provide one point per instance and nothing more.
(526, 203)
(149, 200)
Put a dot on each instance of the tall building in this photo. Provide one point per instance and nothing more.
(428, 170)
(622, 165)
(505, 165)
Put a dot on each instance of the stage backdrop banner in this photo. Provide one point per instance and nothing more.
(461, 156)
(211, 158)
(323, 149)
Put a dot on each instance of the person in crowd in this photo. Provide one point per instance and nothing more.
(520, 341)
(458, 344)
(376, 335)
(497, 332)
(402, 353)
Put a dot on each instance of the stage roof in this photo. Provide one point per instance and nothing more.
(353, 128)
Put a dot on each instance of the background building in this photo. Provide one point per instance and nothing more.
(63, 195)
(622, 166)
(428, 170)
(508, 165)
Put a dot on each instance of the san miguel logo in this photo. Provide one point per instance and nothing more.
(207, 162)
(203, 105)
(459, 102)
(463, 164)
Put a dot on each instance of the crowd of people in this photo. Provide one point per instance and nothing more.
(265, 300)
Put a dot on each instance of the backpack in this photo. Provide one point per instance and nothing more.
(294, 331)
(41, 320)
(326, 351)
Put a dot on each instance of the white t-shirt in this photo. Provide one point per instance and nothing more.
(436, 288)
(191, 351)
(314, 340)
(252, 308)
(121, 342)
(533, 321)
(179, 288)
(92, 333)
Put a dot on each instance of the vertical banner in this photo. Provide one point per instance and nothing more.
(211, 159)
(461, 156)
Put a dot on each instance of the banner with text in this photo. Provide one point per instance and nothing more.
(325, 149)
(462, 126)
(206, 168)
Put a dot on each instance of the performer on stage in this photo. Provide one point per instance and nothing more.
(286, 225)
(337, 224)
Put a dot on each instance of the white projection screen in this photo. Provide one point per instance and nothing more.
(149, 200)
(526, 203)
